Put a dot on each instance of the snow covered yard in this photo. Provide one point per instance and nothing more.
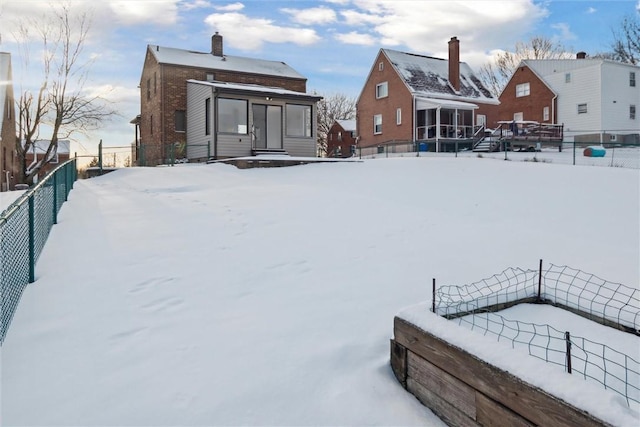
(208, 295)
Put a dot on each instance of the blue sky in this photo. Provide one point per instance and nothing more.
(332, 42)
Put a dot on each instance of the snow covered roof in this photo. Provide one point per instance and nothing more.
(249, 88)
(429, 77)
(5, 80)
(169, 55)
(545, 67)
(347, 125)
(40, 146)
(427, 103)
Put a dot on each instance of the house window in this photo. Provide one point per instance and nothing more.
(339, 136)
(377, 124)
(207, 116)
(582, 108)
(632, 79)
(210, 77)
(151, 124)
(148, 89)
(180, 118)
(523, 89)
(232, 116)
(382, 90)
(155, 83)
(632, 112)
(567, 78)
(4, 158)
(381, 66)
(298, 120)
(399, 116)
(545, 114)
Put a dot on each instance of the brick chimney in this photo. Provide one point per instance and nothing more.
(216, 45)
(454, 63)
(581, 55)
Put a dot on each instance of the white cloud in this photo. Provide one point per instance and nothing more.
(592, 10)
(354, 17)
(195, 4)
(233, 7)
(161, 12)
(426, 26)
(356, 38)
(564, 32)
(316, 15)
(257, 31)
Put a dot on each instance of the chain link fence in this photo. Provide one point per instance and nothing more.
(24, 228)
(580, 153)
(612, 304)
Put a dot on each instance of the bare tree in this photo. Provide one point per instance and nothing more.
(626, 40)
(331, 108)
(495, 75)
(61, 105)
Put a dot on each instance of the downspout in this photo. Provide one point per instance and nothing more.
(438, 129)
(413, 117)
(214, 131)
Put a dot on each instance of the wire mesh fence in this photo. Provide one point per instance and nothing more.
(620, 155)
(612, 304)
(24, 228)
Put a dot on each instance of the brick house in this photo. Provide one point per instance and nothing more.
(409, 97)
(341, 138)
(8, 156)
(163, 124)
(59, 154)
(596, 100)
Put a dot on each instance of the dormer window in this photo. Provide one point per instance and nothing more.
(210, 77)
(382, 90)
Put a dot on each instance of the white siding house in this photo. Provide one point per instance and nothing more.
(235, 120)
(595, 97)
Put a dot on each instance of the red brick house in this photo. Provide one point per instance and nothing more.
(162, 124)
(59, 154)
(416, 98)
(341, 139)
(591, 99)
(8, 156)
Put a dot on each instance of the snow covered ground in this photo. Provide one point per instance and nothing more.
(208, 295)
(8, 197)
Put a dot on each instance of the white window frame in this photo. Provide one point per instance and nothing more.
(377, 124)
(545, 114)
(632, 112)
(382, 90)
(632, 79)
(583, 108)
(398, 116)
(523, 89)
(381, 66)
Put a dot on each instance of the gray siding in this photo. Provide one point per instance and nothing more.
(197, 141)
(229, 145)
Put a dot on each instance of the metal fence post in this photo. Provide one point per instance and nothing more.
(567, 338)
(55, 197)
(100, 156)
(433, 296)
(540, 281)
(574, 153)
(32, 243)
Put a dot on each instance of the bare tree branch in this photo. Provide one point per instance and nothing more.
(61, 103)
(626, 40)
(495, 75)
(331, 108)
